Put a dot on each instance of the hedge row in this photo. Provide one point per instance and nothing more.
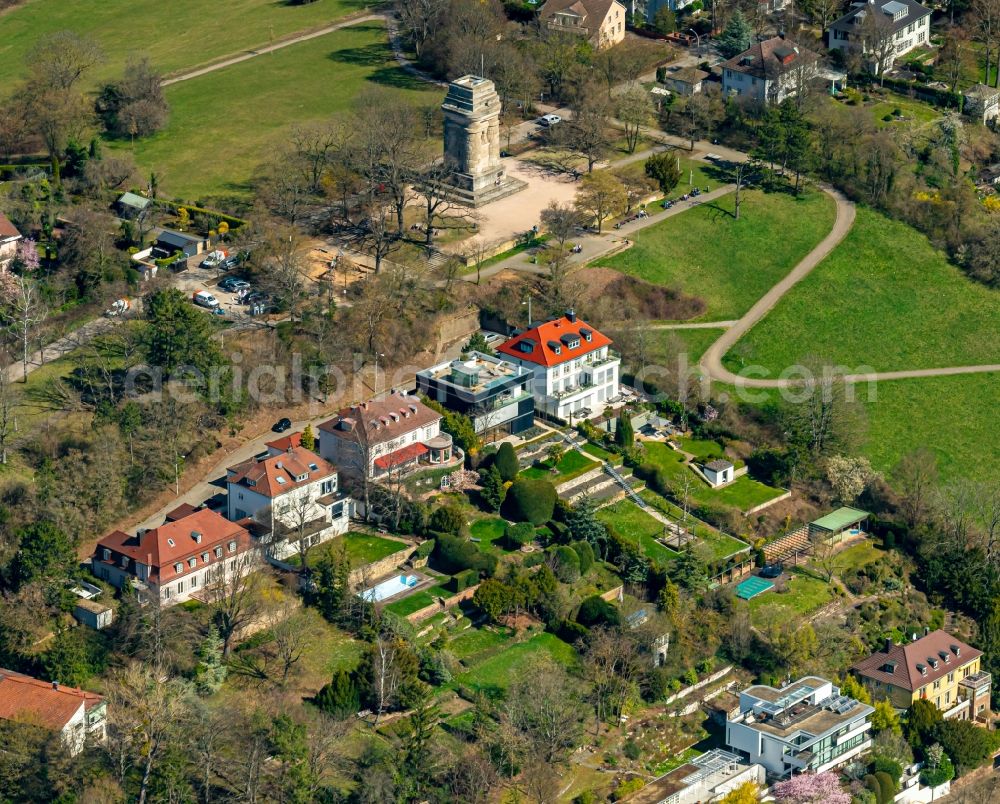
(233, 221)
(938, 97)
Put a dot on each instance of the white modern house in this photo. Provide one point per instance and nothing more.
(982, 103)
(576, 374)
(77, 715)
(881, 30)
(707, 777)
(397, 433)
(177, 559)
(805, 726)
(769, 71)
(292, 493)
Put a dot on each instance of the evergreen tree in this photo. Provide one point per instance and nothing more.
(584, 526)
(309, 438)
(210, 671)
(662, 168)
(45, 554)
(736, 37)
(340, 698)
(624, 434)
(477, 343)
(493, 490)
(506, 462)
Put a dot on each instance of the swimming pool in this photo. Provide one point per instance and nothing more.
(388, 588)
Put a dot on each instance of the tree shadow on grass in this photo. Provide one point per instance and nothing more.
(373, 55)
(397, 78)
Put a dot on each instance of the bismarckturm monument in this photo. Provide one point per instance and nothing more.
(472, 142)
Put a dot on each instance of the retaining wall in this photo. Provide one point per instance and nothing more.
(768, 504)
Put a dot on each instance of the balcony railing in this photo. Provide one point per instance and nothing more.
(611, 357)
(582, 386)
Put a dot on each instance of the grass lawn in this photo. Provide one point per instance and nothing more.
(702, 449)
(805, 595)
(327, 650)
(743, 493)
(471, 645)
(488, 531)
(857, 556)
(175, 35)
(416, 601)
(602, 454)
(729, 263)
(885, 299)
(666, 346)
(632, 523)
(694, 173)
(572, 464)
(721, 544)
(501, 670)
(224, 125)
(361, 548)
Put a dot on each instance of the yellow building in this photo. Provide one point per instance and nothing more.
(938, 668)
(601, 21)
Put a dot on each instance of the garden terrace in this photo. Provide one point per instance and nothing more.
(634, 525)
(571, 465)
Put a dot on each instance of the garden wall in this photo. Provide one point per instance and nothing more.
(700, 685)
(383, 566)
(613, 595)
(767, 504)
(454, 600)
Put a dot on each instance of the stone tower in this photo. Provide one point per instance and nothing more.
(472, 141)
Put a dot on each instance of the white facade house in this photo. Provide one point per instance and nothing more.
(719, 472)
(292, 493)
(707, 777)
(395, 433)
(76, 715)
(576, 371)
(177, 559)
(602, 22)
(881, 30)
(982, 103)
(9, 237)
(769, 71)
(805, 726)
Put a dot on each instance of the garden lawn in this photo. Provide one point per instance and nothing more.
(636, 526)
(858, 556)
(572, 464)
(729, 263)
(488, 531)
(721, 544)
(470, 646)
(702, 449)
(805, 595)
(175, 35)
(602, 454)
(361, 548)
(500, 671)
(411, 603)
(225, 125)
(694, 173)
(884, 299)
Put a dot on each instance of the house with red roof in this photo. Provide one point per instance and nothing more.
(576, 373)
(291, 494)
(73, 713)
(177, 559)
(397, 433)
(9, 237)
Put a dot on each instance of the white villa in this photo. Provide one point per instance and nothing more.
(906, 21)
(576, 372)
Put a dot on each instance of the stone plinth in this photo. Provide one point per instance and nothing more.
(472, 142)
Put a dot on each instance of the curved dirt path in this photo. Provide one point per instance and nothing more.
(711, 361)
(345, 22)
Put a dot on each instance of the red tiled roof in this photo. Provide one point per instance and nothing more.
(285, 443)
(402, 455)
(381, 419)
(174, 542)
(30, 700)
(181, 511)
(933, 648)
(541, 337)
(7, 229)
(276, 474)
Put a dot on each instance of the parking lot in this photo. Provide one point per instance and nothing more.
(196, 279)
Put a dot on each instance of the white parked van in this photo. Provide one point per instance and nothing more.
(205, 299)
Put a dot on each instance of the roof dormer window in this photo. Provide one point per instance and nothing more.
(232, 547)
(933, 662)
(314, 467)
(218, 552)
(303, 476)
(922, 668)
(204, 558)
(178, 567)
(171, 542)
(107, 554)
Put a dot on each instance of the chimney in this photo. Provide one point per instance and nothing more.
(571, 315)
(927, 630)
(781, 33)
(55, 685)
(888, 645)
(280, 465)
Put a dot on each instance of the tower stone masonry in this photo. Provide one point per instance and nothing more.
(472, 141)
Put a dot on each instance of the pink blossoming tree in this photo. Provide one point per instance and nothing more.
(813, 788)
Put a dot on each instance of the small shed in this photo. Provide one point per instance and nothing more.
(685, 80)
(170, 241)
(130, 205)
(94, 614)
(719, 472)
(836, 524)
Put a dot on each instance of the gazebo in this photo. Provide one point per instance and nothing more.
(834, 525)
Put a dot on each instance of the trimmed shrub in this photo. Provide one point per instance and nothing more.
(886, 765)
(454, 554)
(464, 579)
(586, 555)
(569, 631)
(506, 462)
(595, 610)
(425, 549)
(519, 534)
(531, 501)
(566, 564)
(887, 786)
(447, 519)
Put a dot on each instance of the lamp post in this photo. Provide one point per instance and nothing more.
(697, 39)
(528, 302)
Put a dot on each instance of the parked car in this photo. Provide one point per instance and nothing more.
(229, 263)
(233, 285)
(214, 259)
(281, 425)
(771, 571)
(548, 120)
(205, 299)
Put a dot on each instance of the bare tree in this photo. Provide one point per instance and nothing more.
(634, 110)
(611, 665)
(26, 312)
(144, 712)
(477, 254)
(877, 40)
(560, 222)
(9, 404)
(601, 196)
(587, 133)
(283, 258)
(290, 641)
(985, 26)
(377, 235)
(315, 145)
(438, 198)
(418, 21)
(916, 478)
(824, 553)
(233, 593)
(386, 677)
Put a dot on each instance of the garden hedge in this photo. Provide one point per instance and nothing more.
(530, 500)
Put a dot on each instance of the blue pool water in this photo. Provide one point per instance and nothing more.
(388, 588)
